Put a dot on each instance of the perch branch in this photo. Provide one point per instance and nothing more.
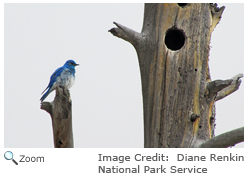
(216, 13)
(125, 33)
(231, 88)
(60, 112)
(225, 140)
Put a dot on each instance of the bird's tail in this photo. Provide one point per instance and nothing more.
(45, 95)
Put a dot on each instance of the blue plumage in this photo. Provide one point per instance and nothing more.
(63, 76)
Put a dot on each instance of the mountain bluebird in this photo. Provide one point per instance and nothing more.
(62, 77)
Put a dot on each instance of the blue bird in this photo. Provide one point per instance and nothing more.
(62, 77)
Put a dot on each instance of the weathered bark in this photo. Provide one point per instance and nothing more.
(60, 112)
(173, 51)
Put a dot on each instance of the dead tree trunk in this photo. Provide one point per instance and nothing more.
(60, 112)
(178, 94)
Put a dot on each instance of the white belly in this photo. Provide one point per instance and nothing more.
(66, 79)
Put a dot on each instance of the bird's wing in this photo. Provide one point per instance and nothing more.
(56, 73)
(53, 77)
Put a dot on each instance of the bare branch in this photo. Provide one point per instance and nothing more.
(223, 88)
(215, 86)
(125, 33)
(231, 88)
(225, 140)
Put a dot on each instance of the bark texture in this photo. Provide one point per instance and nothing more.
(178, 94)
(61, 114)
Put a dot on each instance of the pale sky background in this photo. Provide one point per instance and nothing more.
(106, 97)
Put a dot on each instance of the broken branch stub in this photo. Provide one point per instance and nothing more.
(236, 81)
(60, 112)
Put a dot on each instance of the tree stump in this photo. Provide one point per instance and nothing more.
(178, 94)
(61, 113)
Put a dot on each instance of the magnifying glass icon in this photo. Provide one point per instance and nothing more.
(9, 156)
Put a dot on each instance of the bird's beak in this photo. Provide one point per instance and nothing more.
(76, 64)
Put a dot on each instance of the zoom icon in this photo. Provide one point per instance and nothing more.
(8, 155)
